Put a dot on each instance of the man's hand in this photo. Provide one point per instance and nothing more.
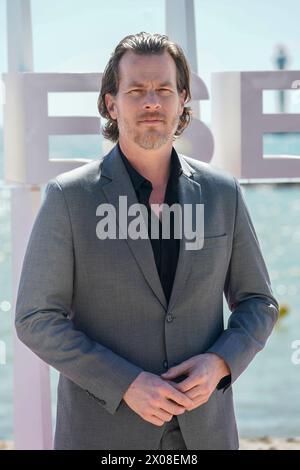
(154, 399)
(204, 373)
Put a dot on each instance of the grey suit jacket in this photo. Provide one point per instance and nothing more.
(95, 309)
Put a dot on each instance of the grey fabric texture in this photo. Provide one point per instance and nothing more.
(95, 309)
(172, 438)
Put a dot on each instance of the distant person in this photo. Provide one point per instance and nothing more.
(281, 61)
(113, 314)
(281, 58)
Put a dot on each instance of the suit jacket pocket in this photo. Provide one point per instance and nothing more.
(215, 241)
(210, 262)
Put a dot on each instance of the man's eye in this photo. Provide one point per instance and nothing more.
(165, 90)
(140, 91)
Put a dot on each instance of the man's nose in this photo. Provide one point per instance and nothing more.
(152, 101)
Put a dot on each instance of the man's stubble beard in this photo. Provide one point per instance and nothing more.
(151, 139)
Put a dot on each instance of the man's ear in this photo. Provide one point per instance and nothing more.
(110, 104)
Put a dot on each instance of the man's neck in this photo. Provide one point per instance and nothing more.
(152, 164)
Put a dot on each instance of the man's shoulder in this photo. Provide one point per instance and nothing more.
(88, 175)
(83, 176)
(208, 173)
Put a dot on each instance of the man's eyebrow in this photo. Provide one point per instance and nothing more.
(141, 85)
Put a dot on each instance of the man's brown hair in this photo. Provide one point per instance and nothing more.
(143, 43)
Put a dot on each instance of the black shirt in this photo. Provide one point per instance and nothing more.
(165, 250)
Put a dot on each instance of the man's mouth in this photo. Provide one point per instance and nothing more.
(151, 121)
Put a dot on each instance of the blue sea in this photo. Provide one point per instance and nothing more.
(267, 393)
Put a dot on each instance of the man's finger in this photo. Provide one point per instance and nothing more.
(178, 397)
(199, 401)
(189, 383)
(196, 393)
(177, 370)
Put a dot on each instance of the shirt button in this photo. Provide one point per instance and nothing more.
(165, 364)
(169, 317)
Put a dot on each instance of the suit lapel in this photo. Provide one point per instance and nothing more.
(189, 192)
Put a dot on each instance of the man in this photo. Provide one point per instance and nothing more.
(135, 325)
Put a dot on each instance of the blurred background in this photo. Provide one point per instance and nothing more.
(232, 35)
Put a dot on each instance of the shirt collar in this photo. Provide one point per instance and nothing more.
(138, 179)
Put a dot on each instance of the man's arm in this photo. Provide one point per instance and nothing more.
(249, 296)
(44, 303)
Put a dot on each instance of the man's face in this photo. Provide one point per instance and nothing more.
(147, 90)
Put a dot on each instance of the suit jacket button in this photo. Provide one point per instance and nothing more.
(103, 402)
(165, 364)
(169, 317)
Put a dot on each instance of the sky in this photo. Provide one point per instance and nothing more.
(79, 35)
